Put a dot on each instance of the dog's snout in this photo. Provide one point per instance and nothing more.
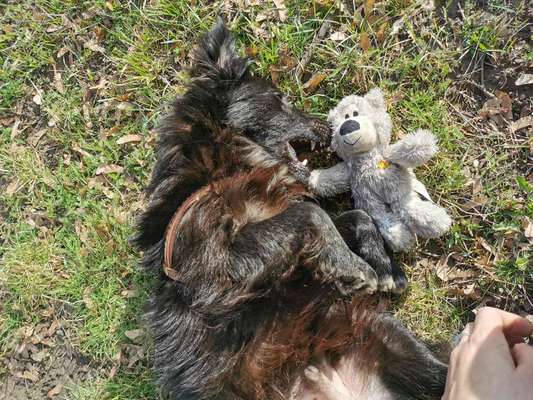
(321, 128)
(349, 127)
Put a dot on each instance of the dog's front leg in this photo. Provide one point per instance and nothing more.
(302, 236)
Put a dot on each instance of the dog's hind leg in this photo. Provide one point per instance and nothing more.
(363, 238)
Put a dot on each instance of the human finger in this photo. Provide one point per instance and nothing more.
(489, 319)
(523, 356)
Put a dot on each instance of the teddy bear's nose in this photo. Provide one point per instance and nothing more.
(348, 127)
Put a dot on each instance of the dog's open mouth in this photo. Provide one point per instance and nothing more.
(308, 152)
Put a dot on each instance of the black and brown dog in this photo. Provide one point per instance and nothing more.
(257, 283)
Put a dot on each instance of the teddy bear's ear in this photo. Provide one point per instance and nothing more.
(376, 99)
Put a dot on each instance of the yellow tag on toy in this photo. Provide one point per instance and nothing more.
(383, 164)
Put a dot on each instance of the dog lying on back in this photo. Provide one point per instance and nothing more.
(257, 283)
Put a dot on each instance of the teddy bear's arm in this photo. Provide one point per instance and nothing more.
(330, 181)
(413, 150)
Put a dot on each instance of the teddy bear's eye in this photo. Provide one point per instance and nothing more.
(355, 113)
(347, 116)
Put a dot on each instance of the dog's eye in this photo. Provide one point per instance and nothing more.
(355, 113)
(347, 116)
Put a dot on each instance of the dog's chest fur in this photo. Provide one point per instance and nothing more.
(371, 175)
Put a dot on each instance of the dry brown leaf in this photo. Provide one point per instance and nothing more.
(86, 297)
(364, 41)
(135, 335)
(281, 10)
(275, 74)
(477, 200)
(109, 169)
(447, 273)
(30, 375)
(337, 36)
(380, 34)
(12, 188)
(312, 84)
(92, 45)
(491, 107)
(58, 81)
(522, 123)
(506, 104)
(38, 98)
(55, 391)
(524, 79)
(129, 139)
(527, 225)
(251, 51)
(79, 150)
(39, 356)
(368, 6)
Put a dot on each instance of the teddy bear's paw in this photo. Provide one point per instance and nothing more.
(398, 237)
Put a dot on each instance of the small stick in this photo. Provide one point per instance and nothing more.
(306, 58)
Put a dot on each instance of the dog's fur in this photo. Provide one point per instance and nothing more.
(261, 308)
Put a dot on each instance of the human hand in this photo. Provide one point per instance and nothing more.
(491, 362)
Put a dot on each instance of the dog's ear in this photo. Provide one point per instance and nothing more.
(216, 54)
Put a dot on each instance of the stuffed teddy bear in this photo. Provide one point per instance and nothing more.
(380, 174)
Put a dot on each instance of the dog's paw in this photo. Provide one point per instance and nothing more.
(395, 282)
(362, 278)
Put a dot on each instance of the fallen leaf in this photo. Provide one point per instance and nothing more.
(522, 123)
(380, 34)
(506, 104)
(524, 79)
(275, 74)
(38, 98)
(30, 375)
(527, 225)
(15, 129)
(477, 186)
(92, 45)
(129, 293)
(251, 51)
(368, 6)
(86, 297)
(129, 139)
(39, 356)
(337, 36)
(447, 273)
(79, 150)
(397, 26)
(312, 84)
(364, 41)
(135, 335)
(12, 188)
(109, 169)
(55, 391)
(281, 10)
(35, 137)
(58, 82)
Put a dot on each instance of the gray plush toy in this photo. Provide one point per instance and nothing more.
(380, 174)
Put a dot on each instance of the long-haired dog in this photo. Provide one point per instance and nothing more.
(257, 283)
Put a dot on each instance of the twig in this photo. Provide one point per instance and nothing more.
(306, 58)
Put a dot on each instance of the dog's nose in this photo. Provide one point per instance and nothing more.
(349, 127)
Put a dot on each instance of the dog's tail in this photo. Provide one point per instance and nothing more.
(216, 55)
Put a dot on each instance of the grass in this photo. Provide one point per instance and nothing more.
(76, 76)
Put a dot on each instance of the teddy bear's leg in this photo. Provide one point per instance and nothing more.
(363, 238)
(397, 234)
(426, 218)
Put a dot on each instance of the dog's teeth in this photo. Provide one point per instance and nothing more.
(304, 162)
(313, 146)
